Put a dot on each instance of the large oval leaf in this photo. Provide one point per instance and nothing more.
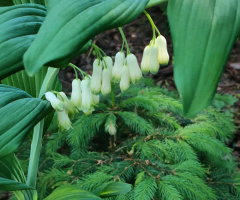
(10, 185)
(71, 192)
(203, 33)
(18, 26)
(70, 24)
(19, 113)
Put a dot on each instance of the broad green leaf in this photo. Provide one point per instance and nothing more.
(71, 192)
(70, 24)
(10, 185)
(114, 189)
(42, 2)
(32, 85)
(19, 114)
(203, 32)
(18, 26)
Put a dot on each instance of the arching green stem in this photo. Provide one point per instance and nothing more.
(124, 39)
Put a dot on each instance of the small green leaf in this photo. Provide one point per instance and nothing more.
(19, 114)
(10, 185)
(203, 33)
(71, 192)
(71, 24)
(18, 27)
(115, 188)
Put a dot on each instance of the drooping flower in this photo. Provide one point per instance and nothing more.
(71, 110)
(76, 97)
(163, 57)
(145, 60)
(117, 68)
(89, 112)
(106, 81)
(153, 59)
(125, 79)
(64, 122)
(96, 80)
(134, 69)
(96, 99)
(111, 129)
(109, 63)
(55, 102)
(87, 96)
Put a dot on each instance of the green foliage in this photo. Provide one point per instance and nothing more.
(161, 153)
(200, 50)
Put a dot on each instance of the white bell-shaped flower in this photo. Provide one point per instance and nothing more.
(153, 59)
(109, 62)
(76, 97)
(64, 122)
(117, 68)
(87, 97)
(106, 81)
(96, 99)
(96, 80)
(163, 57)
(71, 110)
(55, 102)
(145, 60)
(134, 69)
(111, 129)
(125, 79)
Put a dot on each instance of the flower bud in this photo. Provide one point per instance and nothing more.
(125, 79)
(106, 81)
(71, 111)
(111, 129)
(55, 102)
(96, 80)
(117, 69)
(87, 98)
(163, 56)
(109, 62)
(145, 60)
(64, 122)
(153, 59)
(76, 97)
(134, 70)
(96, 99)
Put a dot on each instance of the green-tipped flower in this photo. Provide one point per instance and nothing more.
(76, 97)
(64, 122)
(111, 129)
(106, 81)
(96, 99)
(109, 62)
(89, 112)
(117, 68)
(125, 79)
(55, 102)
(87, 97)
(71, 110)
(145, 60)
(163, 57)
(96, 80)
(153, 59)
(134, 69)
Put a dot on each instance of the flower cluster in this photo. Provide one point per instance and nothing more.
(154, 54)
(124, 71)
(82, 99)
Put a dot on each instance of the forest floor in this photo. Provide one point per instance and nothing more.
(139, 34)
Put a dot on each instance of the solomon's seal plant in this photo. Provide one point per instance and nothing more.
(37, 37)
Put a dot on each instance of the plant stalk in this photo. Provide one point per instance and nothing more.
(35, 154)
